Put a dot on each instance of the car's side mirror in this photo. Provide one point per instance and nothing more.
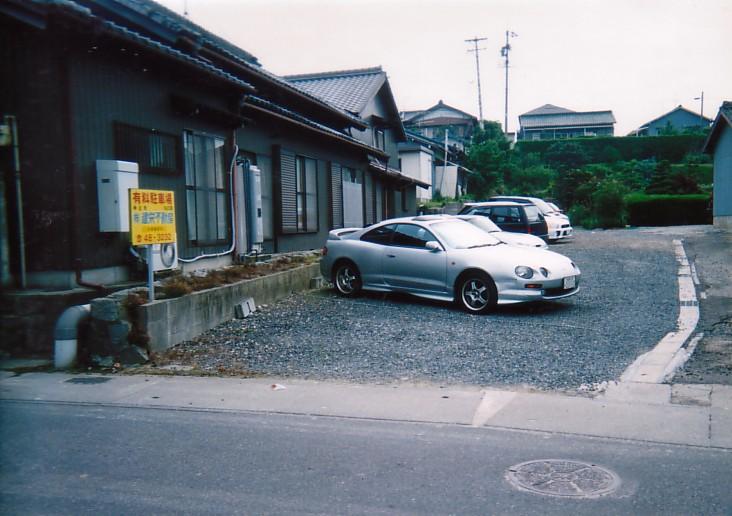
(433, 246)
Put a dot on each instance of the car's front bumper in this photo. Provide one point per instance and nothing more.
(526, 291)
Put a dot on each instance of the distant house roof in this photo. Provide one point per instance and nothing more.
(549, 115)
(674, 110)
(412, 116)
(350, 90)
(724, 119)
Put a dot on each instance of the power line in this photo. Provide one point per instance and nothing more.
(475, 49)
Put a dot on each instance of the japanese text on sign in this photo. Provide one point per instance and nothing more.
(152, 217)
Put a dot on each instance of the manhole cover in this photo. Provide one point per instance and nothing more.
(89, 381)
(565, 478)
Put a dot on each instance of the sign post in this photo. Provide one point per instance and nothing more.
(152, 222)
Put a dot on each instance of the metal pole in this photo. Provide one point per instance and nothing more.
(150, 275)
(505, 111)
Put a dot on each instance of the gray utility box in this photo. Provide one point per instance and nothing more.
(114, 180)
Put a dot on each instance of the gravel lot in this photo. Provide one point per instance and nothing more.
(627, 303)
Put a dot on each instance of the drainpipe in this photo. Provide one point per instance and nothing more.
(11, 121)
(66, 335)
(73, 182)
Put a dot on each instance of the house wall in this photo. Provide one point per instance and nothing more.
(263, 137)
(33, 92)
(723, 179)
(550, 133)
(418, 164)
(678, 120)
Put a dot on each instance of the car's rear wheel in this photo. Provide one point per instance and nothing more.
(476, 293)
(347, 279)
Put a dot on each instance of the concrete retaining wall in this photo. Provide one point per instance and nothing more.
(171, 321)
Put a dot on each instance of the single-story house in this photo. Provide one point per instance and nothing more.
(719, 145)
(131, 83)
(382, 190)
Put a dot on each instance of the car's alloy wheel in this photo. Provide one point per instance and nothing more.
(477, 293)
(347, 279)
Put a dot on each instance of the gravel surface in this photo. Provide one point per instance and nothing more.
(627, 303)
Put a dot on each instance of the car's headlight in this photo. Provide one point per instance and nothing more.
(525, 272)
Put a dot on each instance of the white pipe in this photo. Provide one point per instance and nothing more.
(66, 335)
(233, 216)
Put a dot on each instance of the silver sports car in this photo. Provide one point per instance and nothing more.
(444, 258)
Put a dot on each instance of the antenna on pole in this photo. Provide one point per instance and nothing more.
(504, 52)
(475, 49)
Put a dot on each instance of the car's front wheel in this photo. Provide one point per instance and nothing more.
(476, 293)
(347, 279)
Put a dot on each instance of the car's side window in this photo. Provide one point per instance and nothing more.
(515, 214)
(499, 214)
(381, 235)
(410, 235)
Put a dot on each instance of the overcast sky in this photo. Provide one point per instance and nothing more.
(638, 58)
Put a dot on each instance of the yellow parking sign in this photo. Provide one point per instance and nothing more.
(152, 216)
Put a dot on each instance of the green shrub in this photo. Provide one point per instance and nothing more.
(671, 148)
(668, 210)
(581, 216)
(608, 204)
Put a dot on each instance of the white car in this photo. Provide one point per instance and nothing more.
(489, 226)
(558, 225)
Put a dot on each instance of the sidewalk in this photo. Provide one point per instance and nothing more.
(688, 415)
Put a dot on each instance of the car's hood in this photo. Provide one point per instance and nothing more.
(519, 239)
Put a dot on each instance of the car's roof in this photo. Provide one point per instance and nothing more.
(494, 203)
(508, 197)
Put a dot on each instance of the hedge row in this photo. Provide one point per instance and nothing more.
(668, 210)
(671, 148)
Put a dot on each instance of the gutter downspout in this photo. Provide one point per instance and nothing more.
(13, 123)
(73, 182)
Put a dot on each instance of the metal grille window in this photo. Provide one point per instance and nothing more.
(306, 172)
(206, 206)
(153, 151)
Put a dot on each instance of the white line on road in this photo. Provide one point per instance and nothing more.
(492, 402)
(662, 361)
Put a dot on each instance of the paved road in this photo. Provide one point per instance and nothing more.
(72, 459)
(628, 302)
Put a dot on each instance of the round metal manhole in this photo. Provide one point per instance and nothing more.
(565, 478)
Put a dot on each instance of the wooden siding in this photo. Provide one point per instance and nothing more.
(335, 196)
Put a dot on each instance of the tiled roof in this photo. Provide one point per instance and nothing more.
(678, 108)
(75, 9)
(256, 102)
(378, 166)
(410, 116)
(570, 119)
(349, 90)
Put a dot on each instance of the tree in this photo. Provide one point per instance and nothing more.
(489, 158)
(566, 156)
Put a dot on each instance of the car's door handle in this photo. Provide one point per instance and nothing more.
(391, 256)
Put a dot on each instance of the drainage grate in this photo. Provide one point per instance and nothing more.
(89, 381)
(564, 478)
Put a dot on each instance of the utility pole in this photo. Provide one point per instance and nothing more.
(701, 118)
(475, 49)
(504, 52)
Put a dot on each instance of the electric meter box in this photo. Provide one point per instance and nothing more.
(114, 180)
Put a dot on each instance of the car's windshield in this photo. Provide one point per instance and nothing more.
(483, 223)
(459, 234)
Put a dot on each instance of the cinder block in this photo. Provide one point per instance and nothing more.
(245, 308)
